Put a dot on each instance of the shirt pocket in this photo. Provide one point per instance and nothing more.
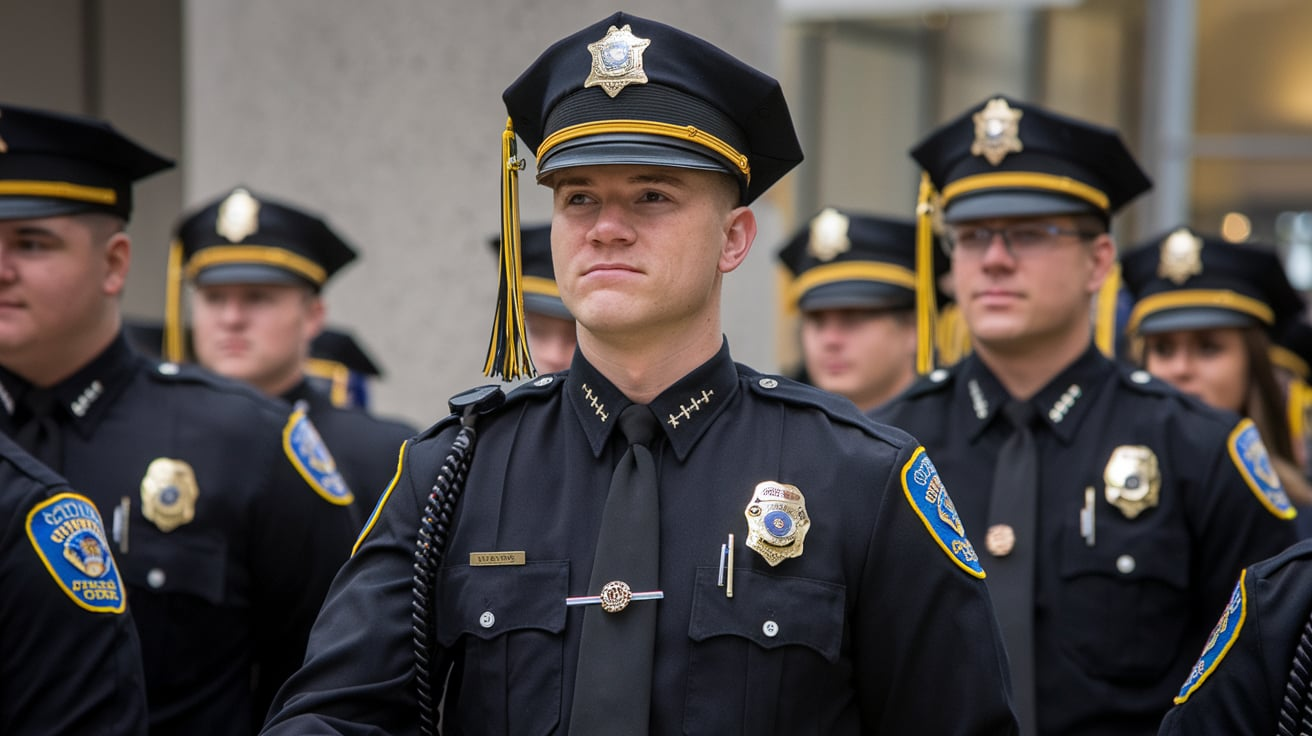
(769, 655)
(503, 626)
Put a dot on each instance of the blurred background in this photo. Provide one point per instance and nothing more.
(385, 116)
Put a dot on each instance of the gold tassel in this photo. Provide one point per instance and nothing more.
(1295, 402)
(507, 350)
(1104, 321)
(925, 291)
(172, 349)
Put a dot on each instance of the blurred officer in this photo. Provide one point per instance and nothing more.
(854, 281)
(550, 326)
(72, 662)
(1254, 677)
(580, 591)
(340, 365)
(1115, 512)
(224, 514)
(257, 267)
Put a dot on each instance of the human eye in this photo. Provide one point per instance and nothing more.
(653, 195)
(1030, 234)
(971, 238)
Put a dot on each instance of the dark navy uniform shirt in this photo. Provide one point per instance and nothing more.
(875, 628)
(223, 601)
(364, 446)
(71, 664)
(1117, 621)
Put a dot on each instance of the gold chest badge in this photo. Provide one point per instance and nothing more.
(169, 493)
(777, 521)
(1133, 479)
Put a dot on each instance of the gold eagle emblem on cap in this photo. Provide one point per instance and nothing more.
(997, 131)
(1181, 256)
(829, 234)
(239, 216)
(617, 60)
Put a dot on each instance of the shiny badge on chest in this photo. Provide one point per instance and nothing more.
(1133, 479)
(169, 493)
(777, 521)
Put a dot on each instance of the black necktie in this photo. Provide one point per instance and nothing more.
(612, 689)
(39, 435)
(1012, 539)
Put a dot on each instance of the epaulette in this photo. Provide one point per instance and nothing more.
(1144, 382)
(168, 372)
(780, 388)
(939, 379)
(485, 405)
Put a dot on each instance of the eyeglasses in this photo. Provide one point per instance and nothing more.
(1019, 238)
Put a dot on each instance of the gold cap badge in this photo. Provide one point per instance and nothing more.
(239, 216)
(997, 131)
(617, 60)
(1181, 256)
(829, 235)
(169, 493)
(777, 521)
(1133, 479)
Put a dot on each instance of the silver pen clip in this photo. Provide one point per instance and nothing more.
(1087, 528)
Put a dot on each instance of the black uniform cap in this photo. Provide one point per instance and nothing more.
(627, 90)
(1183, 281)
(541, 294)
(58, 164)
(1005, 158)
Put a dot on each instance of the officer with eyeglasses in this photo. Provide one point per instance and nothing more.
(1114, 513)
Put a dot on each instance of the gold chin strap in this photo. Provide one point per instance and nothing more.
(507, 350)
(1104, 324)
(926, 304)
(172, 349)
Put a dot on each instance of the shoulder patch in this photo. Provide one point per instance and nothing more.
(929, 498)
(1223, 636)
(310, 456)
(1251, 459)
(69, 537)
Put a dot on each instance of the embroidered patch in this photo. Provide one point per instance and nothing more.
(69, 537)
(311, 458)
(929, 498)
(1250, 457)
(1222, 638)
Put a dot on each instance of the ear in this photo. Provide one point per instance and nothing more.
(316, 316)
(118, 258)
(740, 232)
(1102, 252)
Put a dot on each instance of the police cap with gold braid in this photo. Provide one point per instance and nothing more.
(541, 294)
(59, 164)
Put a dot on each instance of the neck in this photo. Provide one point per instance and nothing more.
(1024, 371)
(48, 364)
(643, 366)
(886, 392)
(279, 385)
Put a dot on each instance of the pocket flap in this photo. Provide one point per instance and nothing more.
(771, 611)
(488, 601)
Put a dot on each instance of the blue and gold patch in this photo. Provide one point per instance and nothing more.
(1250, 457)
(69, 537)
(1222, 638)
(929, 498)
(311, 458)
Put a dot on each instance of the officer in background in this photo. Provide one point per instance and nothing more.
(257, 268)
(72, 662)
(854, 281)
(1114, 512)
(223, 513)
(340, 366)
(550, 326)
(646, 543)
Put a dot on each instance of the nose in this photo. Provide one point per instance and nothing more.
(611, 225)
(998, 252)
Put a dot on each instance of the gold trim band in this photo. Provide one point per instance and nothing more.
(850, 271)
(650, 127)
(262, 254)
(540, 286)
(1214, 298)
(58, 190)
(1027, 180)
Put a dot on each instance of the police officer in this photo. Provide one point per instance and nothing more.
(547, 321)
(854, 282)
(257, 267)
(224, 515)
(646, 543)
(341, 366)
(72, 662)
(1114, 512)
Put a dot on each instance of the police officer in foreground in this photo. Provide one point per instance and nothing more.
(854, 282)
(72, 662)
(1114, 512)
(547, 322)
(658, 540)
(257, 268)
(223, 515)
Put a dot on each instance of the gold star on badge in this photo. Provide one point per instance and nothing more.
(1181, 256)
(617, 60)
(239, 216)
(997, 131)
(829, 235)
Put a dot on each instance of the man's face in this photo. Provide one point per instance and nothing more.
(641, 249)
(867, 355)
(551, 341)
(257, 333)
(59, 282)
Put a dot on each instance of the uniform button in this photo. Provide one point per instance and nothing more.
(168, 369)
(770, 629)
(768, 383)
(544, 381)
(939, 375)
(1141, 377)
(487, 620)
(155, 578)
(1125, 564)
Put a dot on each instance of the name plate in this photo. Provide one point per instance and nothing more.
(487, 559)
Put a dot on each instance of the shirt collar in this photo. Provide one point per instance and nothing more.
(1062, 403)
(83, 395)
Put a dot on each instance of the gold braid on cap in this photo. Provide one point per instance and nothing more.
(507, 350)
(925, 301)
(1104, 318)
(1211, 298)
(172, 349)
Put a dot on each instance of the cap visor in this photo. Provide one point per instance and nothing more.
(1195, 318)
(612, 149)
(986, 205)
(248, 273)
(856, 295)
(16, 208)
(546, 305)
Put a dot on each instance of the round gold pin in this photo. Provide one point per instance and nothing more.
(1000, 540)
(615, 596)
